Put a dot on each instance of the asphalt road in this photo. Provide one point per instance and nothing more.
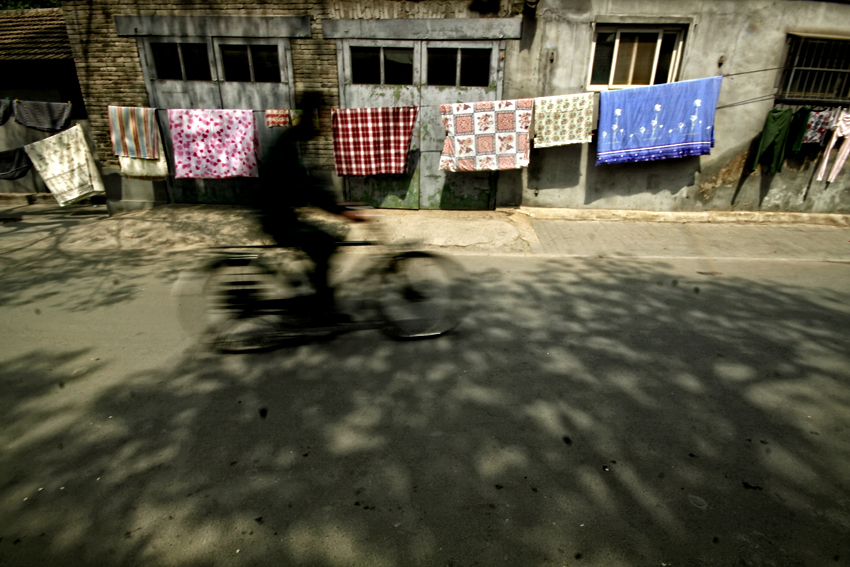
(587, 412)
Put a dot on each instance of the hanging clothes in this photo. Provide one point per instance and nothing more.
(836, 115)
(213, 144)
(14, 164)
(798, 129)
(774, 137)
(842, 129)
(486, 135)
(5, 110)
(134, 132)
(277, 118)
(817, 126)
(44, 116)
(144, 168)
(66, 165)
(562, 120)
(372, 141)
(658, 122)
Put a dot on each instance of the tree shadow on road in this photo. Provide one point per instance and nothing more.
(587, 412)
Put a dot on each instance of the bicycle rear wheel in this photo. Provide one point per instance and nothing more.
(420, 296)
(241, 306)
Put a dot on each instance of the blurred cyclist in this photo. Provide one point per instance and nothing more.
(286, 185)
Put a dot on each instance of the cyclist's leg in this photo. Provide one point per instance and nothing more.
(320, 247)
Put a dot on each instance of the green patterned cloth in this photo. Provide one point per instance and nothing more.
(561, 120)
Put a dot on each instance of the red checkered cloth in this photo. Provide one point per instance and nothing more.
(370, 141)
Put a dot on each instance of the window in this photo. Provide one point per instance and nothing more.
(817, 70)
(181, 61)
(381, 65)
(250, 63)
(635, 56)
(459, 67)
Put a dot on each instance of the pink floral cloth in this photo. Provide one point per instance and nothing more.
(487, 135)
(213, 144)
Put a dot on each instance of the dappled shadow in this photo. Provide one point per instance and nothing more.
(40, 271)
(588, 412)
(49, 278)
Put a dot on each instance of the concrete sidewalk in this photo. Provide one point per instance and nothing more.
(522, 231)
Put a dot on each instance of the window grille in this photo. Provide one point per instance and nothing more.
(817, 70)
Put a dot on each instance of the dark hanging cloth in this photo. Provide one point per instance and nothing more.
(798, 129)
(44, 116)
(14, 164)
(773, 138)
(5, 110)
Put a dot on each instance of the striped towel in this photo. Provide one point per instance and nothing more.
(371, 141)
(277, 118)
(134, 132)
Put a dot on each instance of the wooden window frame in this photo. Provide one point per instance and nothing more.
(675, 63)
(493, 46)
(149, 62)
(391, 44)
(282, 44)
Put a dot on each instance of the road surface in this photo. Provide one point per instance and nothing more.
(589, 411)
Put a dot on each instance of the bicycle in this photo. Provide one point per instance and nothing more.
(255, 298)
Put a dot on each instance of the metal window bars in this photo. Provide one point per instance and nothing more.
(817, 71)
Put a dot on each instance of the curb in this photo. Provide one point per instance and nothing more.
(719, 217)
(12, 199)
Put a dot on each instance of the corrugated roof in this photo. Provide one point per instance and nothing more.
(34, 34)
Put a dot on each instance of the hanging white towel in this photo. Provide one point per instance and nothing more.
(66, 165)
(144, 168)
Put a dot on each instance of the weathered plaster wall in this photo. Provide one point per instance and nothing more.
(553, 58)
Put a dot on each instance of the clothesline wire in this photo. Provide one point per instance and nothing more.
(747, 101)
(748, 72)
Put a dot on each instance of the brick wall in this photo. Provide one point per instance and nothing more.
(110, 70)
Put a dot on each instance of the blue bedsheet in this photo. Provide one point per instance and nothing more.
(658, 122)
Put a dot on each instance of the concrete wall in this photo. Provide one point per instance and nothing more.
(749, 35)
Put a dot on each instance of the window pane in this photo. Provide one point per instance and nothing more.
(665, 58)
(475, 67)
(366, 65)
(398, 66)
(624, 58)
(647, 43)
(234, 59)
(442, 66)
(266, 63)
(637, 48)
(166, 60)
(196, 61)
(603, 56)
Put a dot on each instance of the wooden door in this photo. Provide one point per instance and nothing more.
(381, 75)
(377, 73)
(461, 71)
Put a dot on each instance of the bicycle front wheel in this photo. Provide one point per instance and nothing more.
(420, 296)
